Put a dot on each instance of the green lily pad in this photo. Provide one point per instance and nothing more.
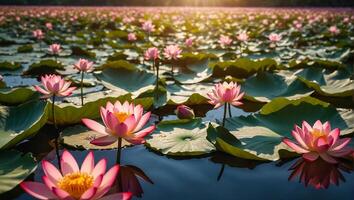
(266, 86)
(117, 56)
(181, 138)
(21, 122)
(79, 137)
(44, 67)
(25, 48)
(14, 96)
(194, 73)
(78, 51)
(10, 66)
(126, 80)
(14, 168)
(259, 136)
(117, 64)
(327, 82)
(244, 67)
(195, 94)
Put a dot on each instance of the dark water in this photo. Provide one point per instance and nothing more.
(197, 178)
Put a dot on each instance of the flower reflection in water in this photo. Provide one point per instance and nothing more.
(319, 173)
(128, 180)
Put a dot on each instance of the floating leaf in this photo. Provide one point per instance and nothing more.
(181, 138)
(44, 67)
(78, 51)
(11, 66)
(21, 122)
(266, 86)
(25, 48)
(14, 96)
(14, 168)
(327, 82)
(125, 80)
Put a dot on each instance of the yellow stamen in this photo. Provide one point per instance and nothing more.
(76, 183)
(121, 116)
(317, 133)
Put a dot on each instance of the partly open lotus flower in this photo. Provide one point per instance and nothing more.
(151, 53)
(184, 112)
(49, 26)
(148, 26)
(273, 37)
(83, 65)
(55, 49)
(225, 40)
(318, 141)
(226, 93)
(54, 85)
(172, 52)
(189, 42)
(121, 121)
(319, 174)
(71, 183)
(242, 37)
(38, 34)
(132, 37)
(334, 30)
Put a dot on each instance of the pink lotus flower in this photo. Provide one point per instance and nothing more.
(83, 65)
(243, 37)
(334, 30)
(225, 40)
(49, 26)
(273, 37)
(55, 49)
(226, 93)
(189, 42)
(318, 141)
(121, 121)
(131, 37)
(38, 34)
(184, 112)
(172, 52)
(148, 26)
(88, 182)
(151, 54)
(54, 85)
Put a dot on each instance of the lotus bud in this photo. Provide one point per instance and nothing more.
(184, 112)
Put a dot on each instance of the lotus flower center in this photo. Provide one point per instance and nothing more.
(76, 183)
(121, 116)
(317, 133)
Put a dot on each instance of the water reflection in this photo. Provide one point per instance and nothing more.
(128, 180)
(319, 173)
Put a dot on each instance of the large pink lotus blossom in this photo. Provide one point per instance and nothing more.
(148, 26)
(121, 121)
(334, 30)
(132, 37)
(226, 93)
(242, 37)
(189, 42)
(151, 54)
(38, 34)
(83, 65)
(318, 141)
(55, 49)
(54, 85)
(225, 40)
(172, 52)
(89, 182)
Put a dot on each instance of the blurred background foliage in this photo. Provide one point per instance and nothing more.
(258, 3)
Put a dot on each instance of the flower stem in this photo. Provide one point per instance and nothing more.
(224, 118)
(56, 143)
(157, 81)
(82, 88)
(119, 150)
(172, 71)
(221, 172)
(229, 105)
